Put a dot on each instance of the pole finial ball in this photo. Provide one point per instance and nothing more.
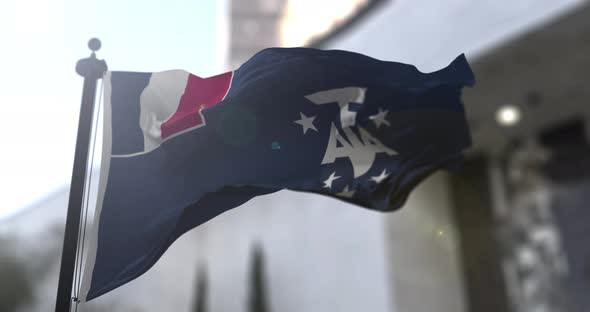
(94, 44)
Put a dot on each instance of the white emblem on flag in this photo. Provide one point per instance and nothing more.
(360, 150)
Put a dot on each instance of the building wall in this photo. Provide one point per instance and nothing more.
(431, 33)
(423, 251)
(253, 25)
(321, 255)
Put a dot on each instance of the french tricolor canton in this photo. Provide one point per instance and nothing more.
(179, 149)
(172, 103)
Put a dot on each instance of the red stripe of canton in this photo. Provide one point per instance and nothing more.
(199, 93)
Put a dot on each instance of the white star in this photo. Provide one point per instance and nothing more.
(346, 193)
(380, 177)
(306, 123)
(328, 182)
(379, 118)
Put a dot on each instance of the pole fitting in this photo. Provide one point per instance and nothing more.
(92, 67)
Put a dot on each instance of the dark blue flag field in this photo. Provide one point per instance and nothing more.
(180, 149)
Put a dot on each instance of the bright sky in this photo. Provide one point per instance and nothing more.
(41, 40)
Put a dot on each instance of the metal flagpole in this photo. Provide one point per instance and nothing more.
(91, 69)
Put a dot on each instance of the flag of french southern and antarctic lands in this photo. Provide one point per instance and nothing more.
(180, 149)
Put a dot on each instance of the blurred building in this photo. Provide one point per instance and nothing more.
(257, 24)
(531, 125)
(487, 239)
(507, 233)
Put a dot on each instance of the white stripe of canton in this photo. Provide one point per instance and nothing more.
(150, 142)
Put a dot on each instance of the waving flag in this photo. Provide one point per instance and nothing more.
(180, 149)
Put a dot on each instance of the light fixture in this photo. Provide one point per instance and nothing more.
(508, 115)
